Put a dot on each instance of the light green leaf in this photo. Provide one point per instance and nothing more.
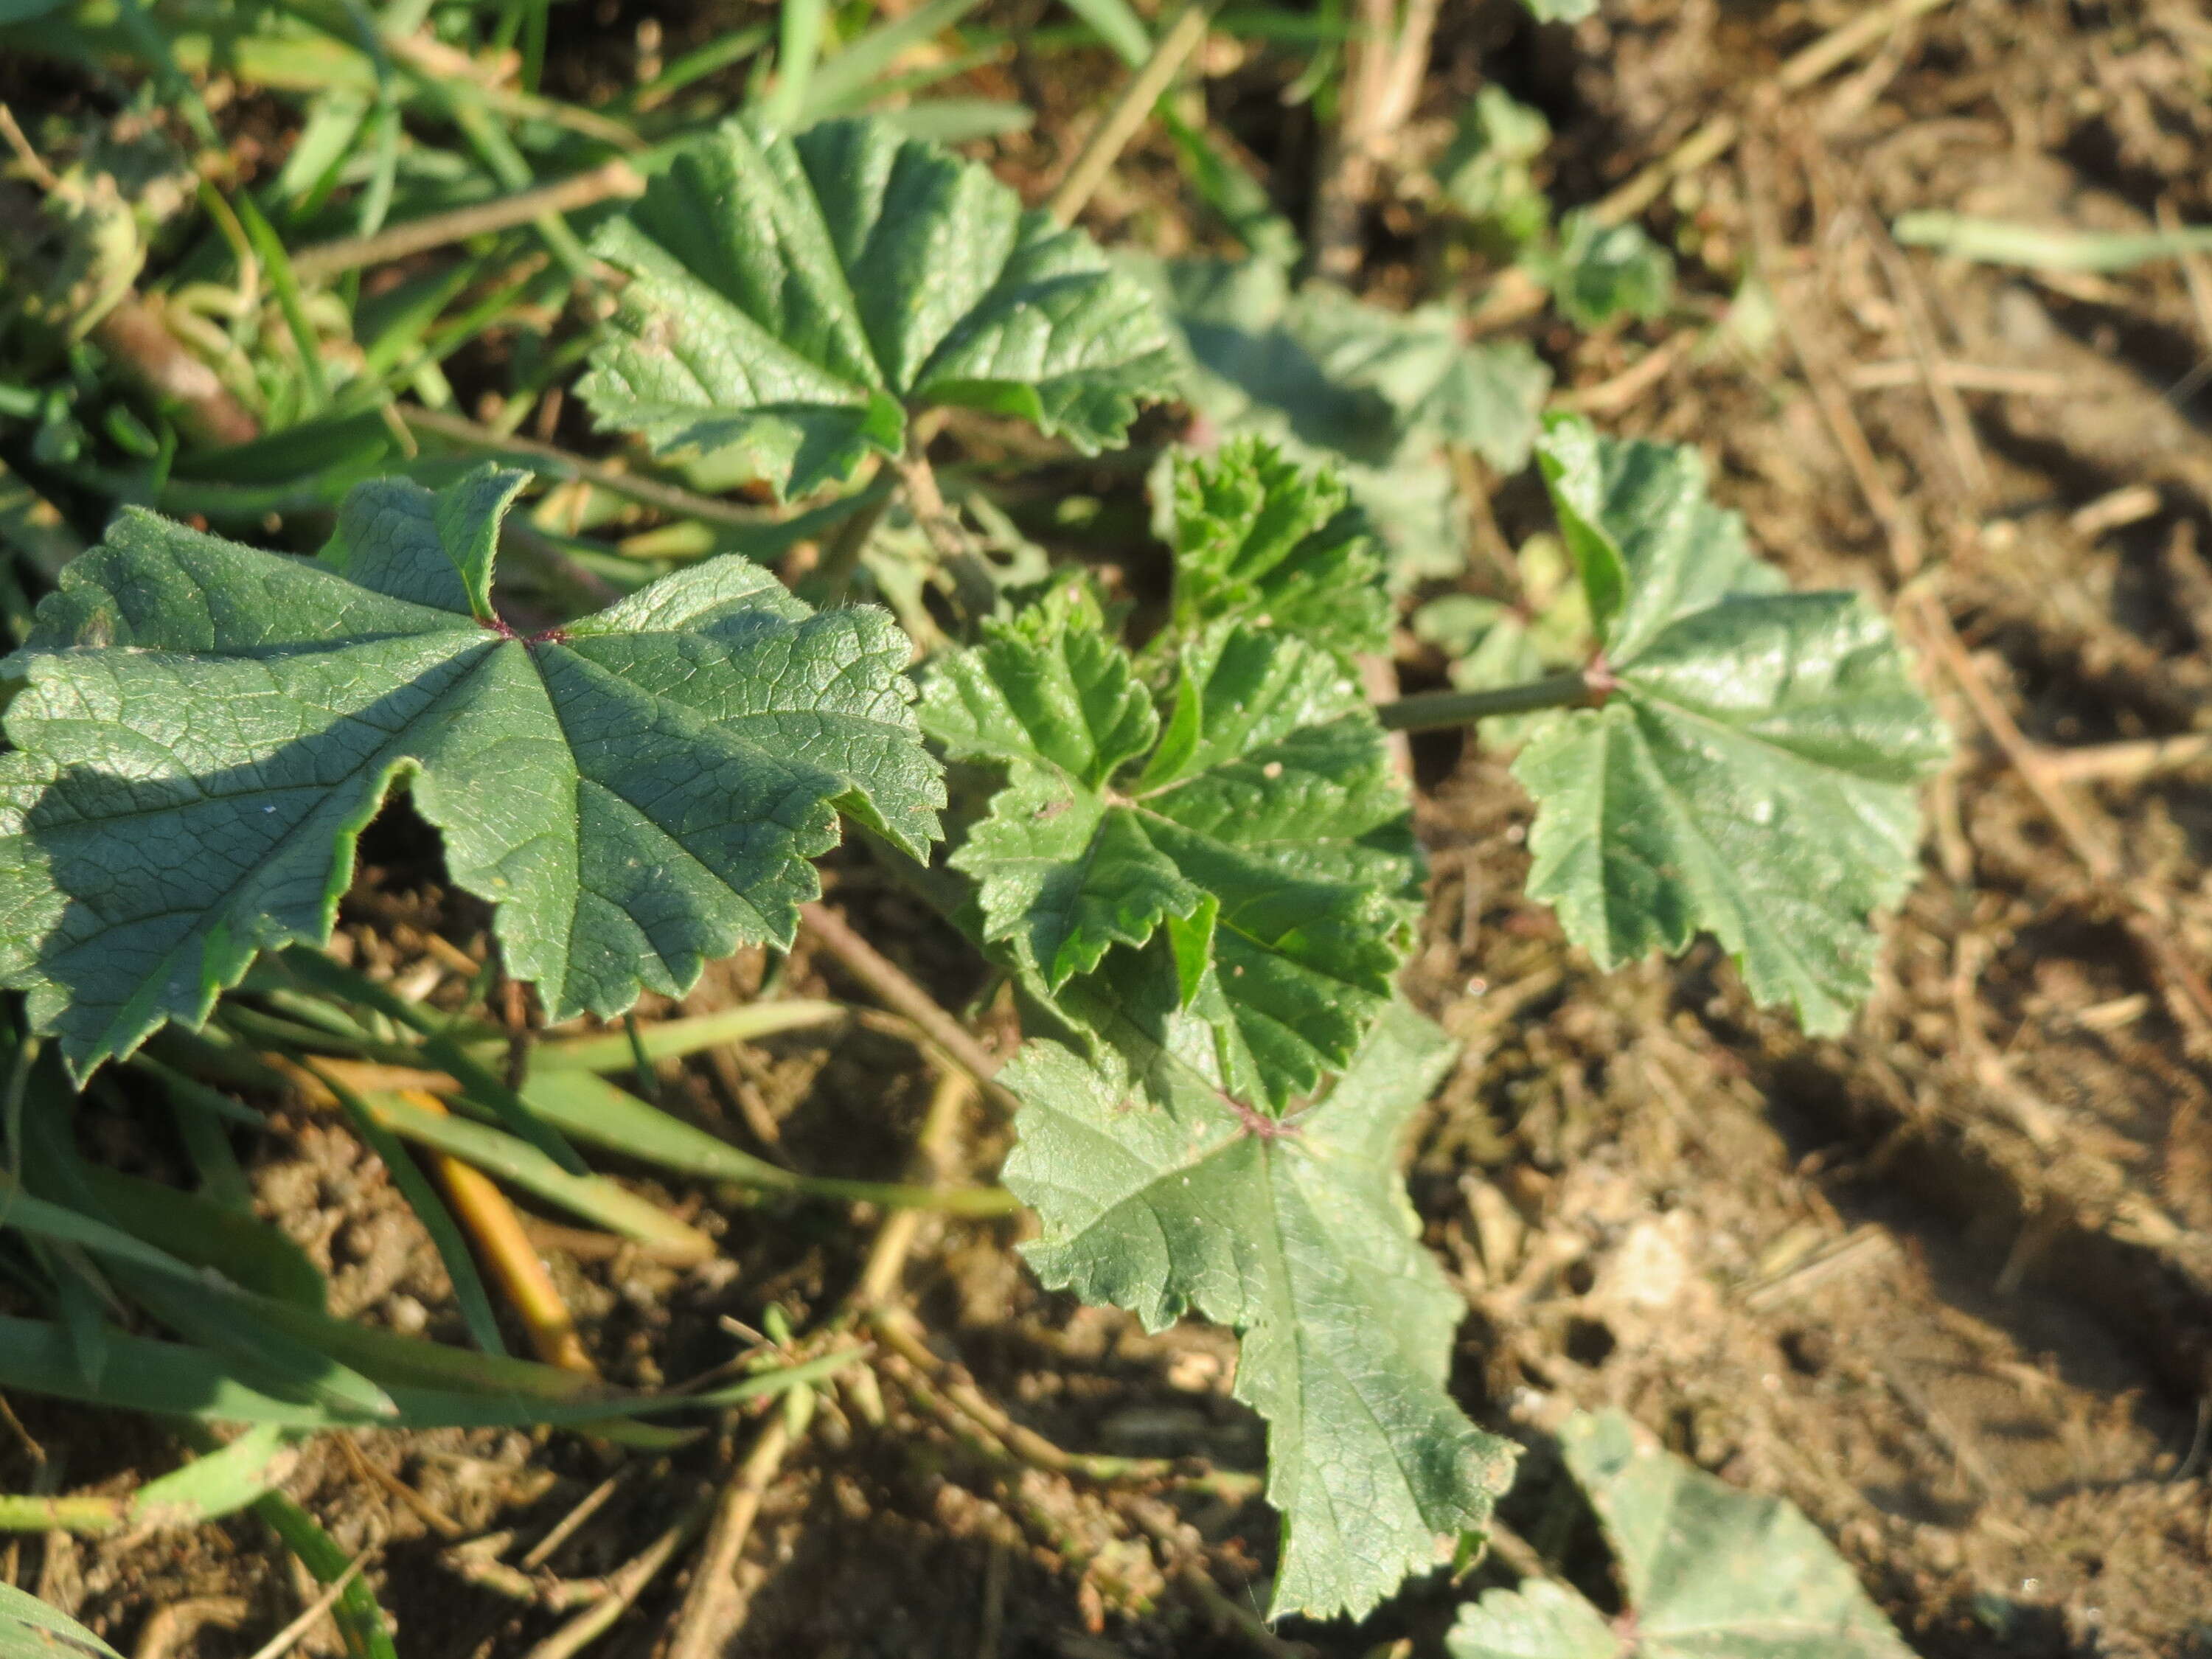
(1487, 395)
(1163, 1195)
(207, 728)
(1248, 367)
(29, 1629)
(1486, 172)
(1753, 771)
(1261, 825)
(792, 300)
(1561, 11)
(1708, 1572)
(1260, 540)
(1600, 271)
(1540, 1620)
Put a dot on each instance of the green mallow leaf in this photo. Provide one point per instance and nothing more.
(1163, 1194)
(1706, 1571)
(793, 300)
(1484, 174)
(1247, 366)
(207, 728)
(1258, 826)
(1486, 396)
(1260, 540)
(1599, 271)
(1752, 771)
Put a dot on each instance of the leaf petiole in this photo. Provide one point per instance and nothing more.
(1435, 711)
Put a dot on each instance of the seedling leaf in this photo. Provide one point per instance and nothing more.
(1600, 271)
(1247, 366)
(1752, 773)
(793, 300)
(207, 728)
(1260, 540)
(1706, 1569)
(1260, 826)
(1165, 1197)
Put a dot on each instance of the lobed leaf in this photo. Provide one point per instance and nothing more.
(1598, 271)
(1246, 366)
(206, 729)
(1707, 1570)
(1752, 773)
(1260, 540)
(790, 299)
(1160, 1193)
(1486, 396)
(1260, 830)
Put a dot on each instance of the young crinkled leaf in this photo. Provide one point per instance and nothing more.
(1260, 540)
(1160, 1194)
(1246, 366)
(792, 300)
(208, 727)
(1707, 1570)
(1260, 826)
(1752, 771)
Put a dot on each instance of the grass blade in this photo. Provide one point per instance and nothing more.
(173, 1379)
(594, 1198)
(269, 247)
(837, 84)
(800, 25)
(29, 1629)
(219, 1483)
(469, 1292)
(673, 1039)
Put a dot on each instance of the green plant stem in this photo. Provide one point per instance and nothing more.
(77, 1515)
(841, 558)
(1435, 711)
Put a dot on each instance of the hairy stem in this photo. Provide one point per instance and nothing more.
(1435, 711)
(841, 557)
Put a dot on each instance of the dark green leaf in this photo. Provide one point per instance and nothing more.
(1259, 825)
(1486, 396)
(207, 728)
(792, 299)
(1600, 271)
(1250, 367)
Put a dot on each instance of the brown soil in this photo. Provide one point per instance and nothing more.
(1945, 1282)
